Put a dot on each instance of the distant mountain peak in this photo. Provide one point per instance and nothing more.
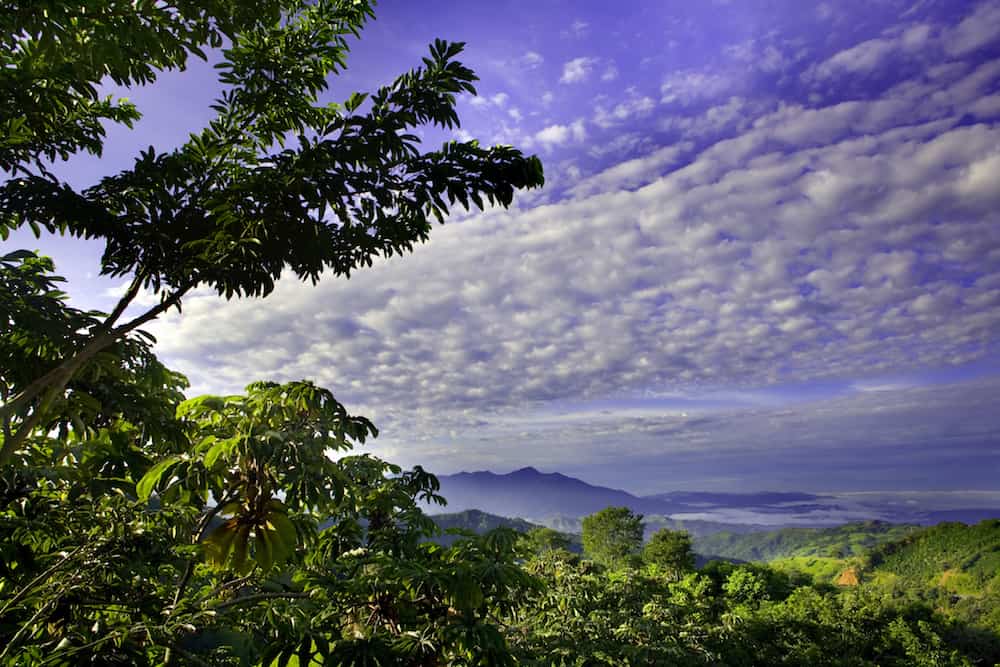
(527, 470)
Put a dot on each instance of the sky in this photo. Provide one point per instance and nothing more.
(767, 255)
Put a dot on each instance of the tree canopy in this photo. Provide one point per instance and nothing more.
(671, 550)
(277, 182)
(612, 535)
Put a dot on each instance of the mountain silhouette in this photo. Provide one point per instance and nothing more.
(530, 494)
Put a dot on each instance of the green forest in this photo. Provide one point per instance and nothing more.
(139, 526)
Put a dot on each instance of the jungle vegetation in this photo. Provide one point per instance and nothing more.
(139, 526)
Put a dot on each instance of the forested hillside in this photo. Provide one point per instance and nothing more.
(636, 605)
(474, 521)
(952, 566)
(852, 539)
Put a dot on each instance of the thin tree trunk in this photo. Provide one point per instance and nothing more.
(54, 382)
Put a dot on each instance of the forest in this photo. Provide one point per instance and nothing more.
(140, 526)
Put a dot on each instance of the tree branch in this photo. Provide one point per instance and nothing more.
(42, 577)
(52, 383)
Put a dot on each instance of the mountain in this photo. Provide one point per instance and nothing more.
(476, 521)
(560, 502)
(761, 499)
(654, 522)
(959, 558)
(535, 496)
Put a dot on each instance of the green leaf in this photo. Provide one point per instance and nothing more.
(152, 477)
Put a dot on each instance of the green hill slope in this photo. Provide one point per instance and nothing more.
(840, 542)
(953, 566)
(476, 521)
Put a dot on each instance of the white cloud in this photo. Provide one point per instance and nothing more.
(685, 87)
(553, 135)
(635, 105)
(668, 282)
(557, 135)
(631, 173)
(864, 57)
(979, 29)
(610, 73)
(847, 241)
(577, 70)
(531, 60)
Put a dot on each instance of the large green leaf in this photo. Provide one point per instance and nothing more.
(153, 476)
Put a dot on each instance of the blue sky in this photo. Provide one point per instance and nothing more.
(767, 255)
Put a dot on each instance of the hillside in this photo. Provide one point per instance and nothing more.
(654, 522)
(852, 539)
(954, 566)
(964, 559)
(477, 521)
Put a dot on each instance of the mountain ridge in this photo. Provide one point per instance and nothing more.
(559, 501)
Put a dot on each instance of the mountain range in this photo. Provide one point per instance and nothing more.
(560, 501)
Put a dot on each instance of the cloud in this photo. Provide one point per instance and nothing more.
(483, 101)
(531, 60)
(577, 70)
(634, 105)
(864, 57)
(557, 135)
(873, 54)
(977, 30)
(671, 284)
(778, 243)
(631, 173)
(685, 87)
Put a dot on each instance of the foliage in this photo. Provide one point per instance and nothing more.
(814, 568)
(541, 540)
(138, 528)
(851, 539)
(276, 182)
(453, 526)
(53, 56)
(612, 535)
(951, 565)
(259, 546)
(725, 615)
(670, 550)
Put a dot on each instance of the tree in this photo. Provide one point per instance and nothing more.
(259, 546)
(276, 182)
(541, 540)
(671, 550)
(139, 529)
(611, 535)
(55, 55)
